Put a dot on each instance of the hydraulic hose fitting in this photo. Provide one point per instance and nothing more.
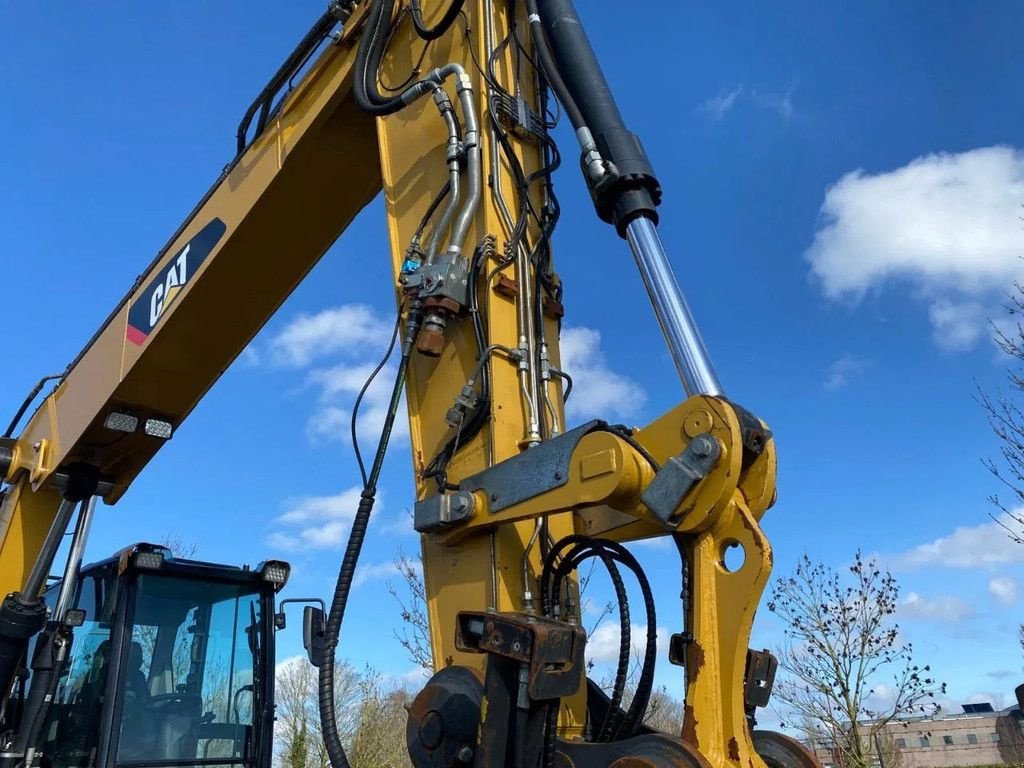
(437, 313)
(431, 339)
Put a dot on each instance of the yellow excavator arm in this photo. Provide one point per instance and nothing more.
(445, 109)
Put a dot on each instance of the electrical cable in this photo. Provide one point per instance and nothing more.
(9, 432)
(362, 393)
(626, 433)
(343, 587)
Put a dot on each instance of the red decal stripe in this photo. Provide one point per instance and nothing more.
(135, 336)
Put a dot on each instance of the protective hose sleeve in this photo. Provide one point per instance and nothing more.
(326, 698)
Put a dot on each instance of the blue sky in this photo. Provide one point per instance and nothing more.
(842, 189)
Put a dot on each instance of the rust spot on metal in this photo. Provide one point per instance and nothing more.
(553, 309)
(506, 286)
(695, 660)
(734, 750)
(689, 733)
(449, 660)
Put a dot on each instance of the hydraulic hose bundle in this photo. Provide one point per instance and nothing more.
(565, 557)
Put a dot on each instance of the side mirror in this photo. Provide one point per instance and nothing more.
(314, 625)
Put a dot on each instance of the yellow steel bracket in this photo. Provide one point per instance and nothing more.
(720, 514)
(606, 478)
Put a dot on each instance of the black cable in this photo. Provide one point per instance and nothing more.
(295, 61)
(621, 430)
(332, 633)
(9, 432)
(436, 31)
(550, 735)
(594, 548)
(568, 383)
(417, 68)
(362, 393)
(432, 209)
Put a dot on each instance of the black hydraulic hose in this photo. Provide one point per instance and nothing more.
(551, 578)
(9, 432)
(550, 68)
(368, 59)
(316, 34)
(332, 633)
(436, 31)
(588, 548)
(633, 189)
(550, 735)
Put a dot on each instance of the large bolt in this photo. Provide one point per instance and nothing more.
(465, 755)
(432, 730)
(700, 447)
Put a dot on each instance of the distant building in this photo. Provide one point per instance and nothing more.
(977, 736)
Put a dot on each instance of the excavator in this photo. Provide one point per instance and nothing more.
(447, 108)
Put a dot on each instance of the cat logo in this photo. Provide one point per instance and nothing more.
(167, 286)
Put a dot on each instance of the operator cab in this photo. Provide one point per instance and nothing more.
(172, 665)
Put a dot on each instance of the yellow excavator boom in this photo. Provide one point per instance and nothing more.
(509, 498)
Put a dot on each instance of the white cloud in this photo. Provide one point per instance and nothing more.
(979, 546)
(1004, 589)
(339, 387)
(945, 608)
(781, 102)
(316, 522)
(377, 571)
(658, 543)
(945, 225)
(346, 329)
(250, 357)
(603, 643)
(956, 326)
(842, 370)
(412, 680)
(597, 391)
(718, 106)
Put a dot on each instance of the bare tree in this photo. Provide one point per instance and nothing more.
(1006, 418)
(380, 740)
(843, 646)
(297, 729)
(178, 546)
(411, 595)
(412, 601)
(664, 712)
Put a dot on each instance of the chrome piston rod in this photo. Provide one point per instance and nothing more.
(674, 315)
